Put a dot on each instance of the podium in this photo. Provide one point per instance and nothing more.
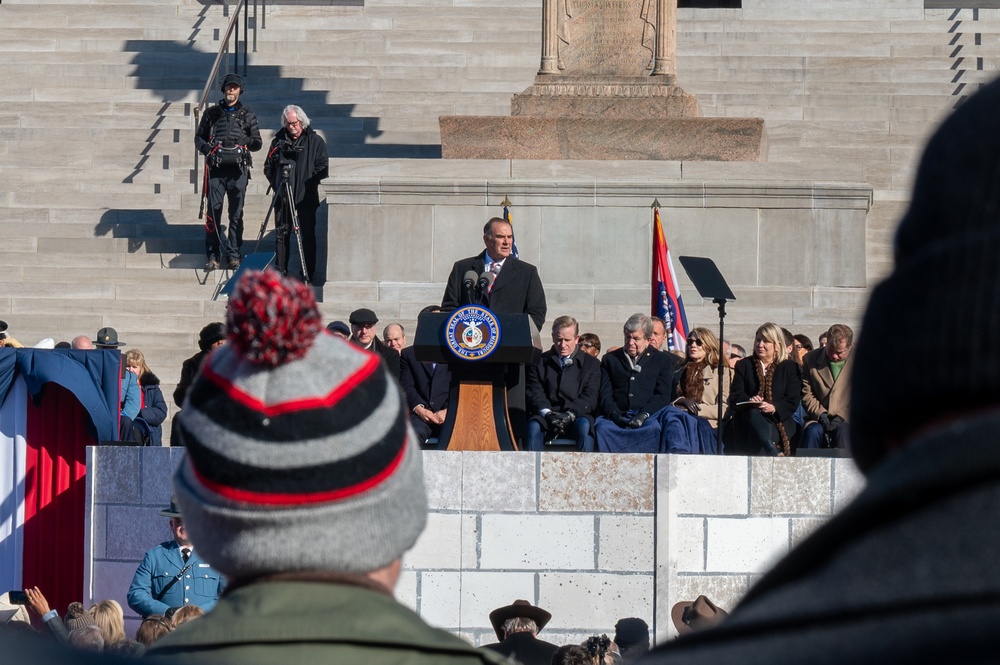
(481, 349)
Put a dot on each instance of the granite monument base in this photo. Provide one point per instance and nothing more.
(628, 98)
(536, 137)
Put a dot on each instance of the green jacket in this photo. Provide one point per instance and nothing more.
(292, 622)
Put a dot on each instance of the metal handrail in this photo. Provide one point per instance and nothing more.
(233, 27)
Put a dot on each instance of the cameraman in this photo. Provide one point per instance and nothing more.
(227, 134)
(298, 145)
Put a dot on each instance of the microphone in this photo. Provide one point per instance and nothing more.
(468, 286)
(485, 281)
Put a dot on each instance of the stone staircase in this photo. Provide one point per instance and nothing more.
(98, 208)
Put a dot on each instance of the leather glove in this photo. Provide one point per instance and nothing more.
(619, 419)
(688, 405)
(553, 422)
(835, 422)
(567, 418)
(638, 420)
(824, 420)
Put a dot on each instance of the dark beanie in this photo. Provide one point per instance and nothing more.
(941, 303)
(300, 456)
(632, 637)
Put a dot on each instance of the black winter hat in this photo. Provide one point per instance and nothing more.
(943, 292)
(232, 78)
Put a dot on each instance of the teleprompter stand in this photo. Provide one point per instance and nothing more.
(477, 402)
(711, 285)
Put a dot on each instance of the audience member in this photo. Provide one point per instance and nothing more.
(173, 574)
(153, 408)
(394, 336)
(211, 337)
(562, 390)
(906, 573)
(108, 616)
(826, 384)
(426, 386)
(822, 340)
(88, 638)
(800, 347)
(7, 340)
(184, 614)
(766, 391)
(572, 654)
(590, 344)
(635, 385)
(517, 626)
(659, 335)
(311, 528)
(340, 329)
(689, 424)
(152, 629)
(50, 617)
(632, 637)
(363, 335)
(77, 617)
(736, 354)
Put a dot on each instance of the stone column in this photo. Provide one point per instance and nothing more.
(665, 55)
(550, 41)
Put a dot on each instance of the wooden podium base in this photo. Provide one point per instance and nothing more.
(480, 420)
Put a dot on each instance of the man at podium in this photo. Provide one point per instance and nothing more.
(515, 287)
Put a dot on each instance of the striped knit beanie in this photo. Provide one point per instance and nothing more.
(299, 452)
(940, 303)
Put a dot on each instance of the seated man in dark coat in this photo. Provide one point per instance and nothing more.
(363, 334)
(635, 384)
(517, 626)
(562, 390)
(426, 387)
(907, 572)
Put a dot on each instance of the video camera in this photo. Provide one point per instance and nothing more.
(598, 646)
(289, 151)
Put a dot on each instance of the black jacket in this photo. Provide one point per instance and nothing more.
(420, 384)
(154, 407)
(517, 289)
(552, 386)
(389, 356)
(228, 128)
(786, 388)
(525, 648)
(647, 390)
(312, 164)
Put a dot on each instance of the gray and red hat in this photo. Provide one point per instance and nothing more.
(300, 456)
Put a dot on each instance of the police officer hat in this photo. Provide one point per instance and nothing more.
(232, 78)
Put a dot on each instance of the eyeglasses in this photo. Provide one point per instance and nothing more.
(297, 122)
(586, 345)
(735, 356)
(694, 341)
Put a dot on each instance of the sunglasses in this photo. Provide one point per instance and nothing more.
(735, 356)
(694, 341)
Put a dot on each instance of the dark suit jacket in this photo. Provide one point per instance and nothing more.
(421, 384)
(389, 356)
(647, 390)
(517, 289)
(551, 386)
(525, 647)
(786, 388)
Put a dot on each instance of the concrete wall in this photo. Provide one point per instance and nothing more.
(592, 538)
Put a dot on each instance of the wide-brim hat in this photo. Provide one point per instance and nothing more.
(173, 510)
(107, 337)
(689, 616)
(519, 608)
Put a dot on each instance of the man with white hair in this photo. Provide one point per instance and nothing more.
(299, 147)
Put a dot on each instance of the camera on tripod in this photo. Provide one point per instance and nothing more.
(289, 151)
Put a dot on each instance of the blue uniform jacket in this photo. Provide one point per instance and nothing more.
(201, 584)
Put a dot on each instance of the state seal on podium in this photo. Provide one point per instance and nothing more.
(472, 332)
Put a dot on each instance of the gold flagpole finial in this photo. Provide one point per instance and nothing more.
(506, 201)
(656, 204)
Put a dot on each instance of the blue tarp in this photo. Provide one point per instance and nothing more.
(93, 376)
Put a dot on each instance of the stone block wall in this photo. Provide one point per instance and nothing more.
(591, 538)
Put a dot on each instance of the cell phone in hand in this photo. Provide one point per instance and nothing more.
(17, 597)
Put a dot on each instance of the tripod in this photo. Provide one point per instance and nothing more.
(288, 216)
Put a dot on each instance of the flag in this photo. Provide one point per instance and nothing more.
(506, 218)
(666, 295)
